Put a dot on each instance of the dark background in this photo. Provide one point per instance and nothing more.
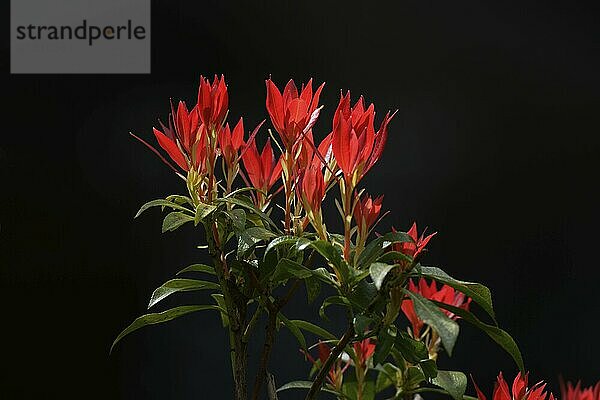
(495, 147)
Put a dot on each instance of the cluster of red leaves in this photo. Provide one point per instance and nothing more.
(184, 138)
(520, 390)
(195, 138)
(576, 392)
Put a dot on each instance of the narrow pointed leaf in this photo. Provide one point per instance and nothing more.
(280, 241)
(221, 303)
(478, 292)
(248, 205)
(434, 317)
(497, 334)
(412, 350)
(313, 288)
(378, 272)
(312, 328)
(174, 220)
(179, 285)
(203, 211)
(161, 203)
(302, 385)
(328, 251)
(238, 218)
(339, 300)
(198, 268)
(378, 246)
(295, 330)
(287, 269)
(454, 382)
(157, 318)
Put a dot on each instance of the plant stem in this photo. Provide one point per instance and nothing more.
(287, 186)
(333, 356)
(236, 307)
(261, 375)
(347, 190)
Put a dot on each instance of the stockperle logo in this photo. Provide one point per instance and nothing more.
(80, 36)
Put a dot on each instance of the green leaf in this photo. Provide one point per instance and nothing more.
(339, 300)
(377, 247)
(313, 288)
(324, 276)
(221, 303)
(280, 241)
(312, 328)
(179, 285)
(174, 220)
(328, 251)
(244, 202)
(161, 203)
(203, 211)
(498, 335)
(378, 272)
(357, 275)
(238, 218)
(384, 344)
(294, 329)
(302, 385)
(243, 190)
(414, 376)
(287, 269)
(198, 268)
(394, 257)
(434, 317)
(179, 199)
(158, 318)
(363, 294)
(361, 323)
(412, 350)
(388, 376)
(478, 292)
(429, 368)
(350, 389)
(250, 237)
(454, 382)
(259, 233)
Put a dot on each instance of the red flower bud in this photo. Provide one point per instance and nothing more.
(356, 145)
(313, 188)
(212, 102)
(178, 139)
(414, 248)
(231, 142)
(366, 212)
(292, 115)
(263, 170)
(364, 351)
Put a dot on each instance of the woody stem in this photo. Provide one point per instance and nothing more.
(236, 308)
(333, 356)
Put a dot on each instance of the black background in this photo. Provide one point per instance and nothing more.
(495, 147)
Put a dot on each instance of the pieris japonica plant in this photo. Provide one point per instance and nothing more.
(255, 196)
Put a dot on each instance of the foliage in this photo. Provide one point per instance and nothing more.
(235, 197)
